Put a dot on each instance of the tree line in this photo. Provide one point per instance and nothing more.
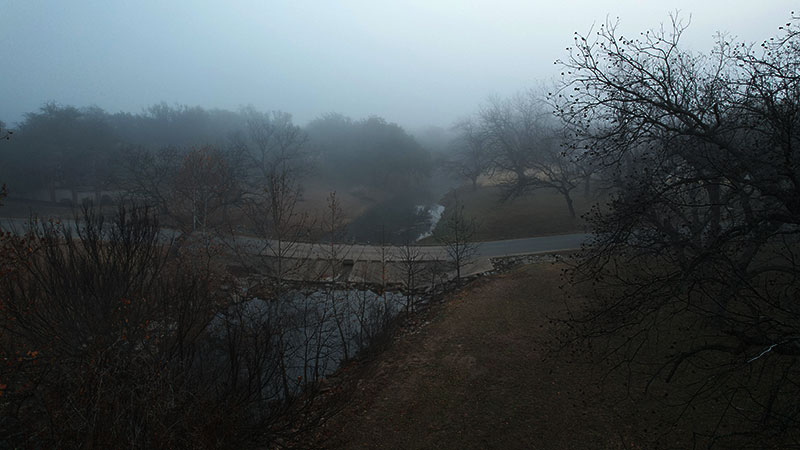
(690, 280)
(65, 147)
(115, 333)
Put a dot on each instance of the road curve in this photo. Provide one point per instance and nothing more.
(361, 252)
(524, 246)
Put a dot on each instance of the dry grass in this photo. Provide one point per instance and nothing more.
(482, 374)
(352, 201)
(487, 371)
(537, 213)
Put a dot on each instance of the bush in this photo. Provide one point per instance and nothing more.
(107, 341)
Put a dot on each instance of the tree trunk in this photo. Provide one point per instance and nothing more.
(587, 187)
(571, 208)
(715, 220)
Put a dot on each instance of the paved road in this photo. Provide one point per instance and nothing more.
(359, 252)
(542, 244)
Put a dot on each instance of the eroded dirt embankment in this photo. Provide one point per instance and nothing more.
(480, 375)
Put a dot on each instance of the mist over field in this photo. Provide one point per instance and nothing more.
(309, 224)
(416, 63)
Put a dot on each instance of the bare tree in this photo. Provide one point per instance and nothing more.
(4, 135)
(194, 188)
(102, 326)
(334, 253)
(147, 175)
(553, 168)
(526, 147)
(274, 145)
(456, 233)
(472, 157)
(697, 248)
(112, 337)
(413, 267)
(276, 218)
(275, 150)
(205, 185)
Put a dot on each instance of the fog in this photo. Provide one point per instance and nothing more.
(206, 206)
(417, 63)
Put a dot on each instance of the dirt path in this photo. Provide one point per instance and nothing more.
(479, 376)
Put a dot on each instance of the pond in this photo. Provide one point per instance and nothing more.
(303, 336)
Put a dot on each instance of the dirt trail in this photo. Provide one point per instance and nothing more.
(480, 376)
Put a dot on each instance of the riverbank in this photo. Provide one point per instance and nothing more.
(484, 370)
(538, 213)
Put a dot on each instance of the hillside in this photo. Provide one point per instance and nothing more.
(485, 372)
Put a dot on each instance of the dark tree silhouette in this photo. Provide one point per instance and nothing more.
(194, 188)
(526, 147)
(472, 153)
(370, 152)
(456, 233)
(694, 262)
(5, 134)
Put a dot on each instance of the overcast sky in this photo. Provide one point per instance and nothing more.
(417, 63)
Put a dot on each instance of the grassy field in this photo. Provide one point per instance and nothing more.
(314, 203)
(352, 201)
(537, 213)
(485, 371)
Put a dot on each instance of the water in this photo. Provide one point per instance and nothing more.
(398, 220)
(434, 213)
(303, 336)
